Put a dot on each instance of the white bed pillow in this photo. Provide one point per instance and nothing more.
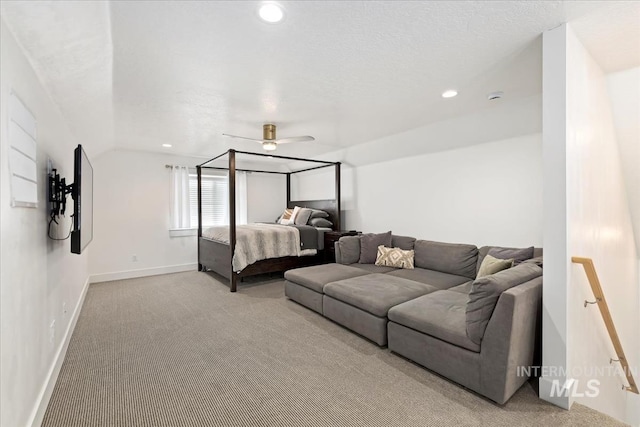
(295, 213)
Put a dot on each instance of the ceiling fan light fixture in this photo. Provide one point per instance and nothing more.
(269, 145)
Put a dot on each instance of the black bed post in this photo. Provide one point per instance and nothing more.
(338, 219)
(232, 214)
(288, 189)
(199, 170)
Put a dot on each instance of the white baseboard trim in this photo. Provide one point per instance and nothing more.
(44, 396)
(560, 398)
(131, 274)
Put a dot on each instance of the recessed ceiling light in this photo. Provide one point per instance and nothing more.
(166, 145)
(271, 12)
(449, 93)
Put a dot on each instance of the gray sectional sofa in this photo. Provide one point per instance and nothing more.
(474, 331)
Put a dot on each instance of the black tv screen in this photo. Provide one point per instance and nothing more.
(82, 193)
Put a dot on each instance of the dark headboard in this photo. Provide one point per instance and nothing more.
(329, 206)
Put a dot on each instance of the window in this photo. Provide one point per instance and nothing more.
(215, 200)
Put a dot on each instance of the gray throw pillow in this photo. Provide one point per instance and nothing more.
(317, 213)
(303, 216)
(369, 246)
(517, 255)
(349, 249)
(485, 293)
(321, 222)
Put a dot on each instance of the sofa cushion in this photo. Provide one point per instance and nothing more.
(465, 288)
(403, 242)
(369, 243)
(491, 265)
(349, 249)
(517, 254)
(440, 314)
(394, 257)
(485, 293)
(316, 277)
(372, 268)
(430, 277)
(376, 293)
(452, 258)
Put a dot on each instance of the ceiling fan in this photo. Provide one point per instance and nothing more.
(269, 141)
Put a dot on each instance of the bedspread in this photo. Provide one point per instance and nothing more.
(255, 242)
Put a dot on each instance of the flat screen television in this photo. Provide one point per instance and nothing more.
(82, 194)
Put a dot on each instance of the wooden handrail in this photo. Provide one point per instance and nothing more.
(590, 270)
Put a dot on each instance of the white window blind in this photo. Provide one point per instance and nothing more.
(215, 200)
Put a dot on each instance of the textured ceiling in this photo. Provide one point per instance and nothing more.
(136, 75)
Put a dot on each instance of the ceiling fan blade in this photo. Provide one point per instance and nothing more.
(242, 137)
(295, 139)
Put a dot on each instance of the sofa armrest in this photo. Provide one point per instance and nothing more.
(510, 339)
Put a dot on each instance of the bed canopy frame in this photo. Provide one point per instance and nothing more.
(218, 256)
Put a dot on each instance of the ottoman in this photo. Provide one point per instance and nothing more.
(305, 285)
(361, 303)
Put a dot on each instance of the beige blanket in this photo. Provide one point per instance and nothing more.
(255, 242)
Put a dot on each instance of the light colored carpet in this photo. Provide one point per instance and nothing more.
(181, 350)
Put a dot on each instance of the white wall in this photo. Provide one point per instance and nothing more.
(597, 225)
(485, 194)
(131, 196)
(266, 196)
(555, 275)
(38, 275)
(624, 93)
(599, 228)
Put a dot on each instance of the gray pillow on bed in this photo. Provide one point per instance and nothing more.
(303, 216)
(320, 222)
(317, 213)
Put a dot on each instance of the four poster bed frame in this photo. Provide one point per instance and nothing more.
(217, 256)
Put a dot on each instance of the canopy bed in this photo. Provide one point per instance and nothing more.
(229, 250)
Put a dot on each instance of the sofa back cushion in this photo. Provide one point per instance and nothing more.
(403, 242)
(369, 243)
(486, 291)
(349, 249)
(452, 258)
(518, 255)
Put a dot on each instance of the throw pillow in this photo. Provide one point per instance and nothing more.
(369, 246)
(349, 249)
(491, 265)
(394, 257)
(517, 255)
(303, 216)
(485, 293)
(317, 213)
(321, 222)
(286, 216)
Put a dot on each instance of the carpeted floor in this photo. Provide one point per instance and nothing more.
(181, 350)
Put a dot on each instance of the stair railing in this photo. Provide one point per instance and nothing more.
(590, 270)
